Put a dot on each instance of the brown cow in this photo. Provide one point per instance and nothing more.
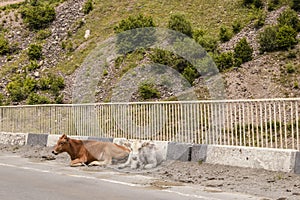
(88, 152)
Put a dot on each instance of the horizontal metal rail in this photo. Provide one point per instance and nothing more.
(271, 123)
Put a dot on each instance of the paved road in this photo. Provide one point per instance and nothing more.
(24, 179)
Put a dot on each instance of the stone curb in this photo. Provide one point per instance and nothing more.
(179, 151)
(284, 160)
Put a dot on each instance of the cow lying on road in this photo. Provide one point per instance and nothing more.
(143, 155)
(88, 152)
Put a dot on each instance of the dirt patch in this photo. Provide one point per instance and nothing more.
(7, 2)
(214, 178)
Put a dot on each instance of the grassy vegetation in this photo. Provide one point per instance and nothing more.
(206, 19)
(205, 15)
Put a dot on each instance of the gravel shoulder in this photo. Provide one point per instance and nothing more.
(272, 185)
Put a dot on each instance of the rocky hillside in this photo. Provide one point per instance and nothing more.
(74, 33)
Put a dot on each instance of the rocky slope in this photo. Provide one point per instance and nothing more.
(263, 77)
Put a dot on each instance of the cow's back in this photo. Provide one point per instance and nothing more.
(98, 149)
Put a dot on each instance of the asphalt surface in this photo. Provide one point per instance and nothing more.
(26, 179)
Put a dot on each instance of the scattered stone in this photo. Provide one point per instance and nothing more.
(87, 34)
(214, 183)
(48, 157)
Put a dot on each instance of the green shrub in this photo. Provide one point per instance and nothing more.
(255, 3)
(58, 83)
(296, 5)
(59, 99)
(44, 83)
(14, 47)
(105, 72)
(34, 2)
(243, 51)
(290, 68)
(68, 45)
(88, 7)
(179, 23)
(52, 83)
(190, 73)
(292, 54)
(163, 57)
(38, 16)
(286, 38)
(20, 87)
(35, 98)
(133, 22)
(169, 59)
(4, 45)
(258, 4)
(289, 18)
(273, 5)
(34, 52)
(148, 91)
(32, 66)
(267, 39)
(2, 99)
(224, 34)
(236, 26)
(29, 85)
(15, 91)
(224, 60)
(277, 38)
(209, 43)
(296, 85)
(136, 38)
(43, 34)
(247, 2)
(260, 19)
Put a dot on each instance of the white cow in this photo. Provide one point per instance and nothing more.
(143, 155)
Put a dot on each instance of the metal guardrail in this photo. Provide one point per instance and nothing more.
(271, 123)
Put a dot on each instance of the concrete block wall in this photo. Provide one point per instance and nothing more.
(13, 138)
(285, 160)
(262, 158)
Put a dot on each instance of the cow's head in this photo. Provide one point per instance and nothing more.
(62, 145)
(135, 148)
(138, 146)
(148, 145)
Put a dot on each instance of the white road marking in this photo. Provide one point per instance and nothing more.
(106, 180)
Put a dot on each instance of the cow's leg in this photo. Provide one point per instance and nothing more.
(97, 163)
(77, 162)
(152, 162)
(134, 164)
(107, 157)
(108, 160)
(126, 164)
(149, 166)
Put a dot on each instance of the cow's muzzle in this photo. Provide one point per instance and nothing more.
(54, 152)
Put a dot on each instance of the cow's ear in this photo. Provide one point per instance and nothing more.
(127, 144)
(150, 145)
(64, 136)
(145, 144)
